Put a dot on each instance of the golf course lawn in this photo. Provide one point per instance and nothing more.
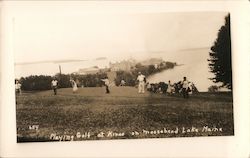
(90, 114)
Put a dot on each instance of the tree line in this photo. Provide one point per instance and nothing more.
(42, 82)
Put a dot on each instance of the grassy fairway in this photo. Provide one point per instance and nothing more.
(91, 114)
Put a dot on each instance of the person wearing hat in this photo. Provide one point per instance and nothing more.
(141, 79)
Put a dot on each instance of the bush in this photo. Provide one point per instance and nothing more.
(213, 88)
(36, 83)
(128, 77)
(63, 80)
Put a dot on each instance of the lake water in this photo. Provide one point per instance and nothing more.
(195, 68)
(193, 74)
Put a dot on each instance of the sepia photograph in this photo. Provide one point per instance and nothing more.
(106, 76)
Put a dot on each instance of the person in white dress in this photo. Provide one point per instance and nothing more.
(170, 87)
(74, 85)
(141, 79)
(122, 83)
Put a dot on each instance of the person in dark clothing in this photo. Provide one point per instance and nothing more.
(185, 86)
(54, 84)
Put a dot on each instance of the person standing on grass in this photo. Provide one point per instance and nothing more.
(170, 88)
(106, 82)
(148, 85)
(122, 83)
(185, 86)
(74, 85)
(141, 79)
(18, 87)
(54, 84)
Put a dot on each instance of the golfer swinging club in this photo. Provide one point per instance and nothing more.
(106, 82)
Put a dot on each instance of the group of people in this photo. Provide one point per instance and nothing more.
(141, 83)
(183, 86)
(54, 85)
(180, 87)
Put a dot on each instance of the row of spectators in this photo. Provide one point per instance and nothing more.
(182, 87)
(163, 87)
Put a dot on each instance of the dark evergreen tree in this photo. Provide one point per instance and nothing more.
(220, 56)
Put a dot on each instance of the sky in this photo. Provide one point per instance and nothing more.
(114, 36)
(42, 43)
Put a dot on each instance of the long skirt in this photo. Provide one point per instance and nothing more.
(75, 88)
